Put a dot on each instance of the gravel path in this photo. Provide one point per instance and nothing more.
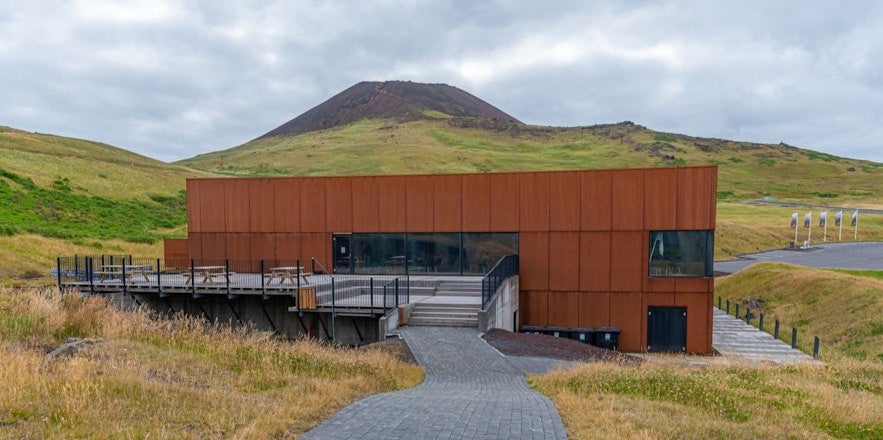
(470, 392)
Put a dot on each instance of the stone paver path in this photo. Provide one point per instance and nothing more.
(470, 392)
(738, 341)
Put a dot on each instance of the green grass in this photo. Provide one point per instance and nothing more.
(58, 212)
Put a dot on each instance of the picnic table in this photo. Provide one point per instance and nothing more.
(209, 274)
(289, 273)
(123, 271)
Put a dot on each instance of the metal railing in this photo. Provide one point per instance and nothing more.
(200, 277)
(504, 269)
(749, 316)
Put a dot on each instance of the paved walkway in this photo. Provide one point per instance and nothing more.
(470, 392)
(740, 342)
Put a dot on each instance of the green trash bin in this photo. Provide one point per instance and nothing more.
(583, 334)
(558, 332)
(607, 337)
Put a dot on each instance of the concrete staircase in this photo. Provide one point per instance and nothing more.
(455, 304)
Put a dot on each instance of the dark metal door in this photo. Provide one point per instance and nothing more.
(667, 329)
(342, 253)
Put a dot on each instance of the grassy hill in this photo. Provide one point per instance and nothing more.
(446, 145)
(61, 195)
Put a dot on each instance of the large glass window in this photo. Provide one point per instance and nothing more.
(681, 254)
(442, 253)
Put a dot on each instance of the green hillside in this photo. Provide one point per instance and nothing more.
(447, 145)
(83, 194)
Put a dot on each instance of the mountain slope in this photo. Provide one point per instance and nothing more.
(399, 100)
(87, 167)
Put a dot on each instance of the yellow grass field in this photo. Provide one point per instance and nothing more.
(150, 377)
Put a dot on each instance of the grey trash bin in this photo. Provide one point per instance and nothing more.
(607, 337)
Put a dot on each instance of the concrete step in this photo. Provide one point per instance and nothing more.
(457, 293)
(436, 306)
(444, 322)
(444, 314)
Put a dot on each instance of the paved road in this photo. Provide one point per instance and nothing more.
(470, 392)
(861, 255)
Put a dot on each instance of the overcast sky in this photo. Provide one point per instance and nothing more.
(171, 79)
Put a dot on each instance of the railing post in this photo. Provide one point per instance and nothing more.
(371, 292)
(193, 277)
(263, 285)
(227, 274)
(90, 275)
(776, 330)
(719, 299)
(815, 348)
(125, 289)
(297, 270)
(747, 315)
(158, 276)
(728, 306)
(760, 322)
(333, 312)
(76, 268)
(793, 337)
(397, 292)
(737, 310)
(58, 265)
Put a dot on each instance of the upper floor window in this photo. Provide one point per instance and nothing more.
(681, 254)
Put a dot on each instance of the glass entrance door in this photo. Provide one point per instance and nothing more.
(343, 261)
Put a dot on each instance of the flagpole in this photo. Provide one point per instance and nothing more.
(796, 219)
(809, 232)
(855, 235)
(840, 232)
(825, 239)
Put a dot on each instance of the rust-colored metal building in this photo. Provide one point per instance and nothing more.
(631, 248)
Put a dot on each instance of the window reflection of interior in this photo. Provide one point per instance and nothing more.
(681, 254)
(442, 253)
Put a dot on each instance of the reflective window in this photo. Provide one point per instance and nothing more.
(681, 254)
(481, 251)
(442, 253)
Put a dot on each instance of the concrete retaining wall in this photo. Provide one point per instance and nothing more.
(502, 309)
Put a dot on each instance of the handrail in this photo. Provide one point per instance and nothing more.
(504, 269)
(314, 262)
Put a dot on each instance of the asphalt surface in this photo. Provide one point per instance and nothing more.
(853, 255)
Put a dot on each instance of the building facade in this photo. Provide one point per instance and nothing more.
(630, 248)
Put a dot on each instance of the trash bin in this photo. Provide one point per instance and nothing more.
(607, 337)
(584, 335)
(558, 332)
(532, 329)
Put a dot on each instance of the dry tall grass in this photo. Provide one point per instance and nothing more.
(147, 377)
(668, 401)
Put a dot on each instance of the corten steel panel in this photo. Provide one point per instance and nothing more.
(263, 246)
(262, 201)
(176, 248)
(533, 308)
(564, 201)
(312, 205)
(564, 261)
(239, 252)
(534, 202)
(594, 261)
(661, 299)
(391, 197)
(288, 246)
(694, 285)
(447, 203)
(595, 204)
(214, 245)
(660, 199)
(626, 313)
(211, 201)
(533, 260)
(365, 204)
(287, 205)
(316, 245)
(477, 203)
(626, 261)
(339, 200)
(194, 209)
(418, 203)
(627, 200)
(698, 315)
(659, 284)
(236, 197)
(194, 244)
(594, 309)
(504, 202)
(697, 195)
(564, 309)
